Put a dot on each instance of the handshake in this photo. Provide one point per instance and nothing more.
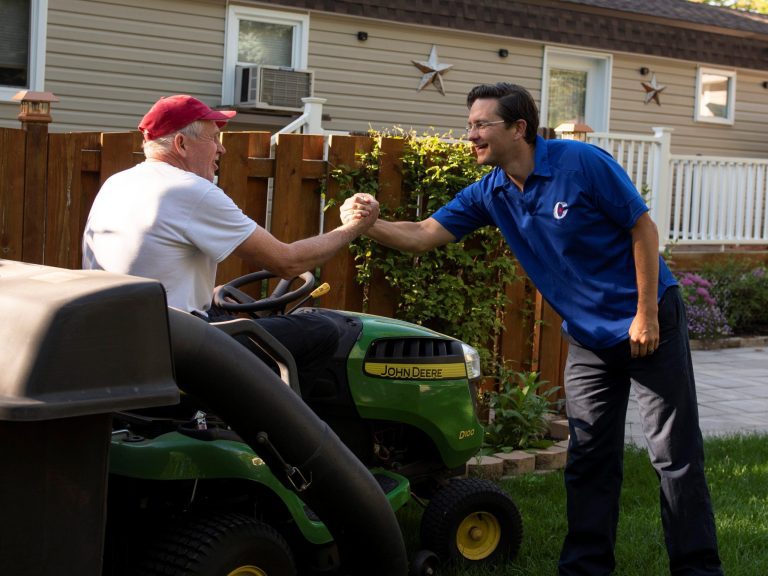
(359, 211)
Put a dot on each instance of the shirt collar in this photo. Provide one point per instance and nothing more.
(541, 165)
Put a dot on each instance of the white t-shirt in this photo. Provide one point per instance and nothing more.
(160, 222)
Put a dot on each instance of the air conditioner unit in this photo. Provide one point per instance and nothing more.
(272, 87)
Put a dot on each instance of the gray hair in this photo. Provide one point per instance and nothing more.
(164, 143)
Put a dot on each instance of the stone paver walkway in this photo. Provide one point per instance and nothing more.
(732, 389)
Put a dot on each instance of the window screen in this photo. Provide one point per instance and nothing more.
(265, 43)
(567, 96)
(14, 42)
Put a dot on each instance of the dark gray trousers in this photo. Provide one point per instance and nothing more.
(597, 393)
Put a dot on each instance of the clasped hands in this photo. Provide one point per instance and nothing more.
(360, 207)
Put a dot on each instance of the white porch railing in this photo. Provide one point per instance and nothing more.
(718, 200)
(694, 199)
(310, 121)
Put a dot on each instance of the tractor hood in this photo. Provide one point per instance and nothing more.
(240, 388)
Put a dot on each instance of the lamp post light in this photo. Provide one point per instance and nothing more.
(573, 130)
(35, 107)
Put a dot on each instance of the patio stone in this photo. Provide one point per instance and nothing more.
(517, 462)
(552, 458)
(558, 429)
(488, 467)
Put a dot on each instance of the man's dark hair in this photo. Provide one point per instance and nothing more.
(514, 103)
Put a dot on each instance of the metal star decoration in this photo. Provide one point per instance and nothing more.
(652, 90)
(432, 71)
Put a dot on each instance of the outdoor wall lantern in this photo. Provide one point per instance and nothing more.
(503, 52)
(644, 71)
(362, 36)
(35, 106)
(573, 130)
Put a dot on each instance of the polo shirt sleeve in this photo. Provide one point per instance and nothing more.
(614, 192)
(465, 213)
(218, 226)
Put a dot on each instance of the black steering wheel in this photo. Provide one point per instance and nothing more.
(229, 296)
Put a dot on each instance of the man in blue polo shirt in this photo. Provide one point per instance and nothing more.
(581, 231)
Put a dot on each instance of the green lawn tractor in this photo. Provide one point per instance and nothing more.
(252, 474)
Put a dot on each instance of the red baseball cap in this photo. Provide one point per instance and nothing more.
(173, 113)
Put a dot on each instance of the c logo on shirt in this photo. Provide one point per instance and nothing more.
(561, 209)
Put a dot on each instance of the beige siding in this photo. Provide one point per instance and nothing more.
(374, 83)
(109, 60)
(746, 137)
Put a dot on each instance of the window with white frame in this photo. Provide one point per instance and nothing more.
(715, 95)
(22, 45)
(576, 86)
(265, 37)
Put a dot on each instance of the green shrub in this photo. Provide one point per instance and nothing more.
(458, 289)
(519, 412)
(741, 289)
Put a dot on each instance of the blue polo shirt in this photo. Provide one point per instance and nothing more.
(570, 230)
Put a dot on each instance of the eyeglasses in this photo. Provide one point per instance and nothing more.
(482, 125)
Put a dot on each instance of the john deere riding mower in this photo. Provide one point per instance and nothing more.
(252, 474)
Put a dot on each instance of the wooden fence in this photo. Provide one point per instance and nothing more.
(48, 182)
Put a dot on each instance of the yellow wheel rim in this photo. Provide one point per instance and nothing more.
(247, 571)
(478, 535)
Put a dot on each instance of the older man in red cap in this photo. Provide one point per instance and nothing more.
(167, 220)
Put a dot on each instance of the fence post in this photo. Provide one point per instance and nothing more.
(313, 108)
(661, 197)
(35, 116)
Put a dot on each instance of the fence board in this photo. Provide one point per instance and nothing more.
(120, 151)
(294, 212)
(35, 172)
(550, 348)
(12, 170)
(12, 162)
(382, 296)
(236, 178)
(516, 342)
(70, 195)
(339, 271)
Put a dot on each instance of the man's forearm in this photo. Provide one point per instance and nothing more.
(407, 236)
(645, 248)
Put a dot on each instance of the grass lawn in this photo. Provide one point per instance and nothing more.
(737, 472)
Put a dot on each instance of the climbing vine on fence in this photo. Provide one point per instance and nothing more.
(457, 289)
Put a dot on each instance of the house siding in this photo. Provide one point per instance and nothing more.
(374, 84)
(629, 114)
(108, 61)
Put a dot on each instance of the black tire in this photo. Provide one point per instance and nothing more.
(424, 563)
(224, 544)
(472, 521)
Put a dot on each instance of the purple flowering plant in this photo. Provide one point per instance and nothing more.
(706, 320)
